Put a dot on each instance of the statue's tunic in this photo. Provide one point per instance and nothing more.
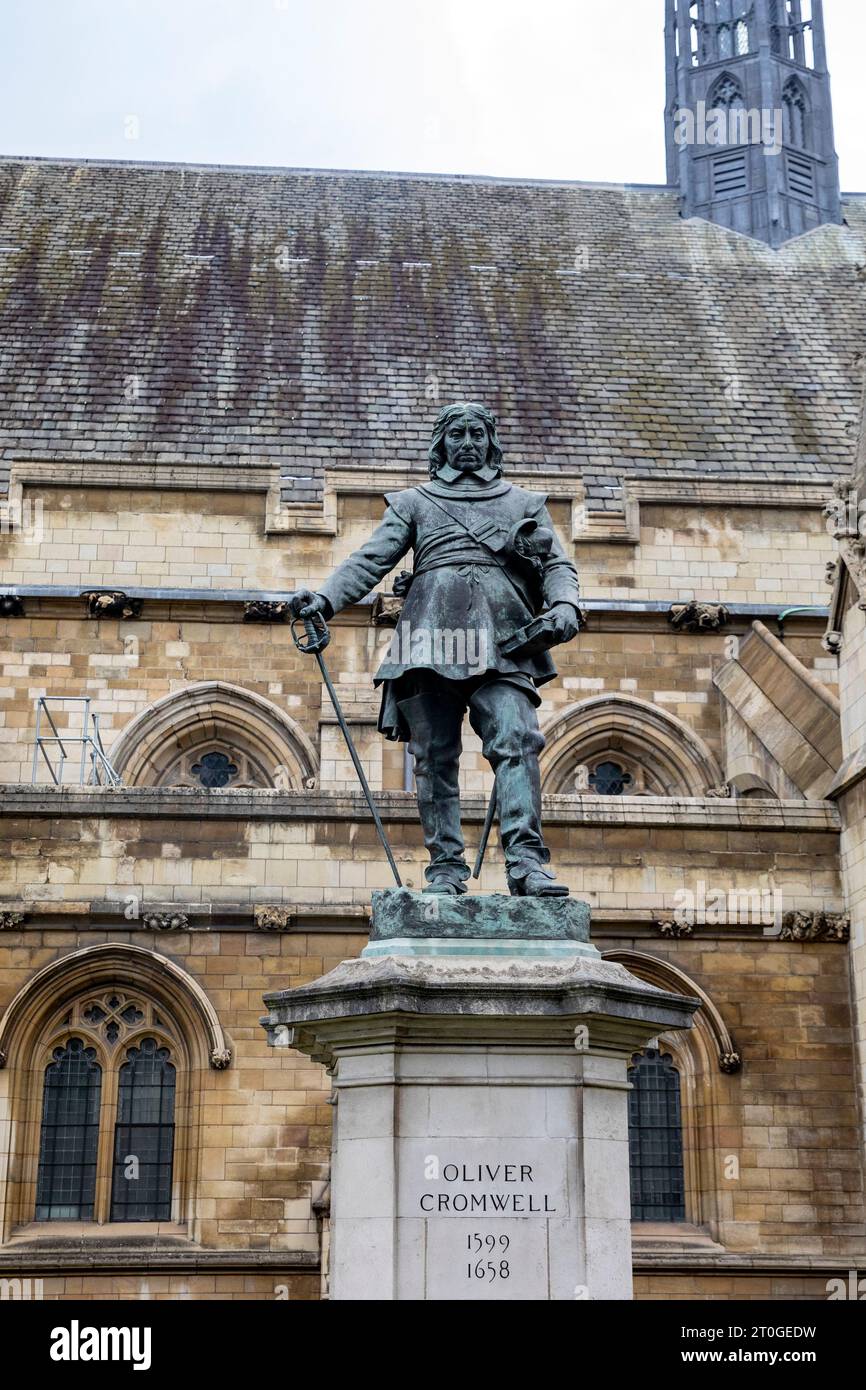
(464, 600)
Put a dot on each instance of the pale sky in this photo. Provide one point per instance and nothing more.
(557, 89)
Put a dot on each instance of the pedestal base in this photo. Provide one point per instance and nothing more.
(436, 924)
(481, 1135)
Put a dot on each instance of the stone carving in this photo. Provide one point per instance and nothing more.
(853, 556)
(11, 606)
(273, 918)
(111, 603)
(724, 792)
(165, 921)
(10, 919)
(220, 1058)
(489, 568)
(264, 611)
(730, 1062)
(672, 927)
(839, 510)
(698, 617)
(832, 643)
(815, 926)
(386, 610)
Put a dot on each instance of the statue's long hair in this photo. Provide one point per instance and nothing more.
(436, 452)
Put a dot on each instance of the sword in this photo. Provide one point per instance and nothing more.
(485, 834)
(312, 642)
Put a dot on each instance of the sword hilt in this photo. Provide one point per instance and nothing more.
(315, 636)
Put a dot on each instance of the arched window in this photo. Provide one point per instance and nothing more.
(102, 1098)
(655, 1139)
(725, 41)
(795, 109)
(112, 1045)
(212, 734)
(607, 740)
(66, 1184)
(682, 1082)
(726, 93)
(726, 99)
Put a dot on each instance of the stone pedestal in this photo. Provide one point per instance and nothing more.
(481, 1142)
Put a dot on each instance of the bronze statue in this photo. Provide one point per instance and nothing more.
(491, 591)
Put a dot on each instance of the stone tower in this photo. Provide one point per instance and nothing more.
(749, 119)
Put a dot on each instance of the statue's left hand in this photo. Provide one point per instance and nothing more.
(565, 620)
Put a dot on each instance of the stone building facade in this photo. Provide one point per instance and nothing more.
(210, 377)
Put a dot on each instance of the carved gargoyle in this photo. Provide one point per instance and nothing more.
(266, 611)
(673, 927)
(698, 617)
(815, 926)
(165, 921)
(111, 603)
(273, 918)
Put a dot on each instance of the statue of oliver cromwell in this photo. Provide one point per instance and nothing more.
(491, 591)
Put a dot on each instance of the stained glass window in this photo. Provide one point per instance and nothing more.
(655, 1138)
(609, 779)
(144, 1136)
(215, 769)
(66, 1181)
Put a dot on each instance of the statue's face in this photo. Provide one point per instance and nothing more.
(466, 442)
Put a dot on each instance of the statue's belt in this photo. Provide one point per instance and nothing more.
(449, 562)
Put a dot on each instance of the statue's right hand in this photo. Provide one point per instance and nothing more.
(304, 603)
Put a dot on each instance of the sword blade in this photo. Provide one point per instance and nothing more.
(362, 777)
(485, 834)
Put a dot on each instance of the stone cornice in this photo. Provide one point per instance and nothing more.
(590, 522)
(229, 605)
(562, 484)
(711, 1261)
(151, 1258)
(700, 813)
(346, 918)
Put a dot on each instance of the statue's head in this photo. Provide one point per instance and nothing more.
(464, 437)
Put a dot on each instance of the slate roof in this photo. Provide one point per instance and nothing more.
(237, 317)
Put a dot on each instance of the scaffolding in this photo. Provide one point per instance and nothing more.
(93, 766)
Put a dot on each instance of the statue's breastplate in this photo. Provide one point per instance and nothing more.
(444, 533)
